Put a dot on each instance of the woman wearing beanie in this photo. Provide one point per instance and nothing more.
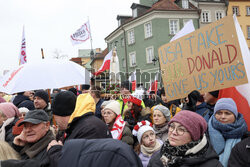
(148, 144)
(116, 125)
(225, 128)
(133, 114)
(161, 117)
(187, 144)
(9, 114)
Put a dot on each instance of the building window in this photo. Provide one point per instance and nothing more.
(219, 15)
(185, 4)
(173, 26)
(131, 37)
(148, 29)
(123, 63)
(248, 32)
(150, 54)
(248, 10)
(132, 59)
(134, 12)
(236, 10)
(205, 16)
(185, 21)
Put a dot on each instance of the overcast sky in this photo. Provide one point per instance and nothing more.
(49, 24)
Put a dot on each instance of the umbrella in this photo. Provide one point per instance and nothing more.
(45, 74)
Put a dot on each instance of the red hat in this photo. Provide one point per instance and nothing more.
(17, 130)
(134, 100)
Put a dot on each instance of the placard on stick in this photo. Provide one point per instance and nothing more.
(205, 60)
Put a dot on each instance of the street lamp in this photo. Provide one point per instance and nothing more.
(92, 54)
(155, 59)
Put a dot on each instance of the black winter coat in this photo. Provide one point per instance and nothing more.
(98, 152)
(209, 159)
(240, 154)
(87, 126)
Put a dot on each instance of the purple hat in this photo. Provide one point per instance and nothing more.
(226, 104)
(195, 124)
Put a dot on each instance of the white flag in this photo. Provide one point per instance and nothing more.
(22, 55)
(81, 35)
(188, 28)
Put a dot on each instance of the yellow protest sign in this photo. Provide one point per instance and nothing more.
(205, 60)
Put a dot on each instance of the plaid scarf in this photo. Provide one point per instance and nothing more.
(171, 156)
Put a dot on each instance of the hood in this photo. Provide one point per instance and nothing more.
(84, 104)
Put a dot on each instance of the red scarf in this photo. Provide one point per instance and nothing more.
(118, 127)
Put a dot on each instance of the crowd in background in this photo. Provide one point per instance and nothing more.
(136, 128)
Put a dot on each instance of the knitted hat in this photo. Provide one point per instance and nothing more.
(9, 110)
(64, 103)
(141, 128)
(42, 94)
(23, 110)
(195, 124)
(215, 93)
(134, 100)
(74, 90)
(114, 106)
(226, 104)
(165, 111)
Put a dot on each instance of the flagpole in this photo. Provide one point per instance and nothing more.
(91, 52)
(42, 53)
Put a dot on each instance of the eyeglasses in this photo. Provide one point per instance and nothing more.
(107, 113)
(179, 130)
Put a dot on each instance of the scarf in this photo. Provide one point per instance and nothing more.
(118, 127)
(172, 155)
(220, 132)
(161, 130)
(33, 149)
(149, 151)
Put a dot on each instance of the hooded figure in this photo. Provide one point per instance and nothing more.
(78, 123)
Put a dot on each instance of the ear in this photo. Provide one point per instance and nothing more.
(47, 124)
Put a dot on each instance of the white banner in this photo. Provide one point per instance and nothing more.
(81, 35)
(22, 55)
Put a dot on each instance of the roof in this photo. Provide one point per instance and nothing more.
(161, 5)
(165, 5)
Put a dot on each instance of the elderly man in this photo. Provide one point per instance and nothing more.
(35, 137)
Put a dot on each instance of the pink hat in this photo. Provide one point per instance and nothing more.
(9, 110)
(195, 124)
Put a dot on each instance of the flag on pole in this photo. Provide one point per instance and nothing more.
(132, 79)
(241, 94)
(105, 64)
(81, 35)
(154, 84)
(22, 55)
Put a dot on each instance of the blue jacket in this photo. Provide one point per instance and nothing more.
(205, 110)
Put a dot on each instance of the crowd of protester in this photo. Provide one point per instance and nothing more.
(134, 128)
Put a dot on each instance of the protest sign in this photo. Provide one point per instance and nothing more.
(205, 60)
